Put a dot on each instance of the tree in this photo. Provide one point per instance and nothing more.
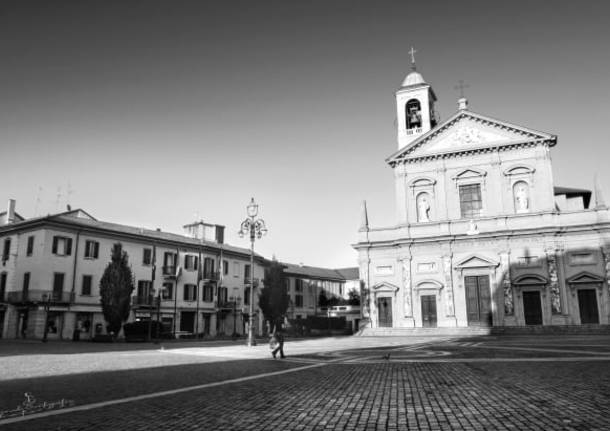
(273, 299)
(116, 287)
(353, 297)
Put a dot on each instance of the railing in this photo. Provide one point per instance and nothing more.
(40, 296)
(139, 300)
(228, 305)
(247, 281)
(169, 270)
(211, 275)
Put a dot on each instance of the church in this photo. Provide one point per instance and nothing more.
(483, 236)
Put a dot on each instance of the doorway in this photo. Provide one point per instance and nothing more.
(428, 311)
(187, 321)
(587, 305)
(478, 300)
(532, 308)
(384, 308)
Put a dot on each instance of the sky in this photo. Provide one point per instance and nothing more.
(157, 113)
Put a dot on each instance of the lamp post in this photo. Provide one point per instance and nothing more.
(46, 299)
(234, 300)
(256, 229)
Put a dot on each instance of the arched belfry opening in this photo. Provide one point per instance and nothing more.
(413, 114)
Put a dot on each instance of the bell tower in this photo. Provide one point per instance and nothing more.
(414, 106)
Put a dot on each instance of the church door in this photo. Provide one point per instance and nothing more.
(587, 304)
(428, 311)
(478, 300)
(532, 308)
(384, 308)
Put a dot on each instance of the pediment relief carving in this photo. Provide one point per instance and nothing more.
(475, 261)
(529, 280)
(385, 287)
(585, 277)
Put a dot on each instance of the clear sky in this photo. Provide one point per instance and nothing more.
(156, 111)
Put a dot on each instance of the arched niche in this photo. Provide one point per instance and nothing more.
(413, 114)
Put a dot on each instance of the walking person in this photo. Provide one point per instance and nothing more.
(277, 343)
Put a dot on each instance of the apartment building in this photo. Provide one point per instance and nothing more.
(51, 267)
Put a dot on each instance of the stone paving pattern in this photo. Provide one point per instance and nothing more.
(392, 395)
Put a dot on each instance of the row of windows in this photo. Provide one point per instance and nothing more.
(189, 291)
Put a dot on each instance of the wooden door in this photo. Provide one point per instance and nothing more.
(384, 309)
(587, 305)
(478, 300)
(187, 321)
(428, 311)
(532, 308)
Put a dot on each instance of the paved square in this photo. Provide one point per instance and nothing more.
(434, 383)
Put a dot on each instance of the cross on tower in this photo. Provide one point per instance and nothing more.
(461, 87)
(412, 52)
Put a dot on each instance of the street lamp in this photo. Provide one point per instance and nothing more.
(46, 299)
(234, 300)
(256, 229)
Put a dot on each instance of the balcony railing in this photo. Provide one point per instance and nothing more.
(247, 281)
(211, 275)
(40, 296)
(142, 300)
(169, 270)
(229, 305)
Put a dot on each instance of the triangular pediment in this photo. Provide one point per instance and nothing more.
(475, 261)
(468, 131)
(585, 277)
(385, 287)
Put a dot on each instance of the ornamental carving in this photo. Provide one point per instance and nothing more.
(406, 284)
(551, 259)
(507, 288)
(449, 308)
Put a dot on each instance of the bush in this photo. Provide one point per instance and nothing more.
(318, 322)
(138, 331)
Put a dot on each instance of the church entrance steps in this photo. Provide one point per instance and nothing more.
(400, 332)
(551, 329)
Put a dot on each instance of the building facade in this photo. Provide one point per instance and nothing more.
(483, 235)
(51, 267)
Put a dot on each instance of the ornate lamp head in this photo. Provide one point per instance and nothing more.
(252, 208)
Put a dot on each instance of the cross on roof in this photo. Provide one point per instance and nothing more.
(412, 52)
(461, 87)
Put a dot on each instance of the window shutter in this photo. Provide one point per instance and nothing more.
(97, 250)
(54, 245)
(185, 295)
(68, 246)
(196, 263)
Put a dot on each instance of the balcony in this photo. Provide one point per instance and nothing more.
(35, 296)
(229, 305)
(247, 281)
(211, 275)
(142, 300)
(169, 271)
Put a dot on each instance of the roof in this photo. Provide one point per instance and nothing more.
(81, 219)
(321, 273)
(528, 135)
(413, 78)
(572, 192)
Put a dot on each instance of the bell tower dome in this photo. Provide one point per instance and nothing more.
(414, 106)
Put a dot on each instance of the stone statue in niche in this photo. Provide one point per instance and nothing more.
(423, 207)
(521, 197)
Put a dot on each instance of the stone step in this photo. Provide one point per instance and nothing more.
(401, 332)
(477, 330)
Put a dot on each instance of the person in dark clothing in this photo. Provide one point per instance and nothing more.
(278, 340)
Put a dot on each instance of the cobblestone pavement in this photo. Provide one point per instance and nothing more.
(538, 383)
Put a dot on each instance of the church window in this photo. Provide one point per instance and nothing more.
(413, 114)
(423, 207)
(470, 200)
(522, 197)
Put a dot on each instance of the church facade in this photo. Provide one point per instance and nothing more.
(483, 236)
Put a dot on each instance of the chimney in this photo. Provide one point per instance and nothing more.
(10, 212)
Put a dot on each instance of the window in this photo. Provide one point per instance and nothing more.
(208, 293)
(7, 250)
(169, 263)
(30, 248)
(2, 285)
(144, 288)
(208, 268)
(62, 246)
(190, 292)
(223, 294)
(26, 284)
(92, 249)
(168, 291)
(235, 269)
(225, 267)
(247, 273)
(298, 285)
(147, 256)
(87, 282)
(470, 200)
(298, 300)
(413, 114)
(190, 262)
(58, 285)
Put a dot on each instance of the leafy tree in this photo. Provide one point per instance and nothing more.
(273, 299)
(322, 299)
(116, 287)
(353, 297)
